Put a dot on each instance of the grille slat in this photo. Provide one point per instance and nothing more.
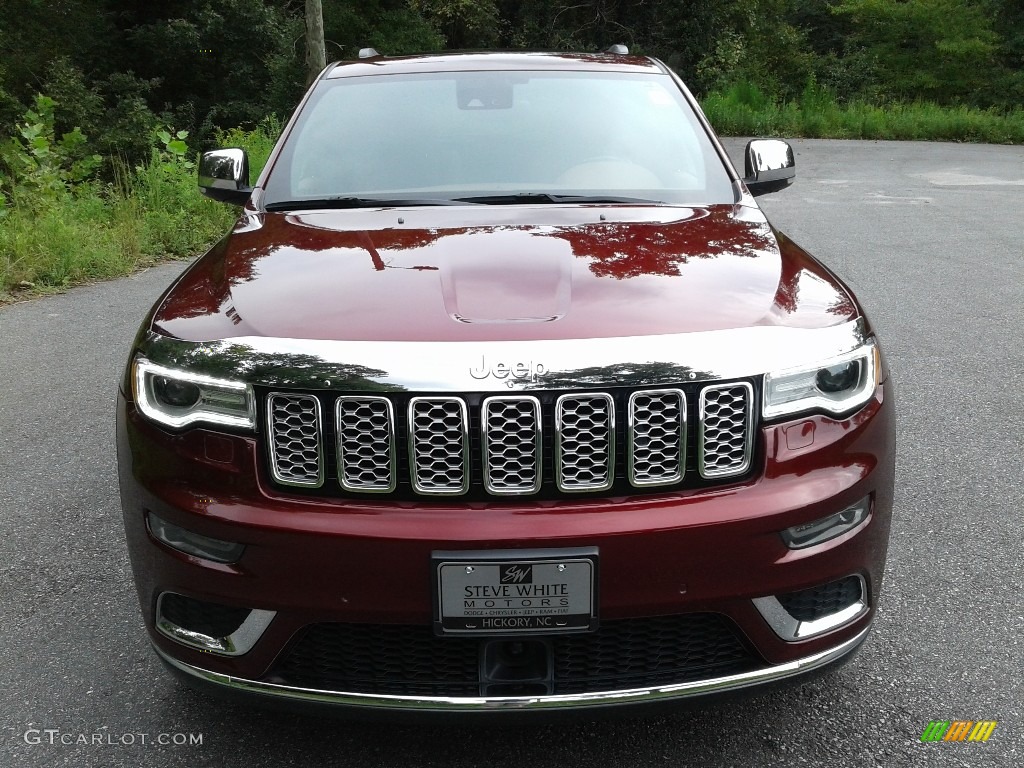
(511, 444)
(540, 445)
(657, 437)
(366, 444)
(296, 453)
(584, 442)
(726, 429)
(439, 445)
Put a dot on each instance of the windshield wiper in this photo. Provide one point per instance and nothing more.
(358, 202)
(546, 197)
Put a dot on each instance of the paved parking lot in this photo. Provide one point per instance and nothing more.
(928, 235)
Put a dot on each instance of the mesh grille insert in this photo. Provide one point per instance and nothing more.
(726, 433)
(210, 619)
(366, 444)
(818, 602)
(584, 438)
(439, 444)
(296, 452)
(512, 444)
(411, 660)
(657, 435)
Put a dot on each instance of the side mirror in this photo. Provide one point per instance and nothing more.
(224, 175)
(769, 166)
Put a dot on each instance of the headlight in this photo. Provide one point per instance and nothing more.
(836, 385)
(178, 398)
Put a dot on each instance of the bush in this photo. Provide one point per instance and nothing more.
(61, 226)
(743, 110)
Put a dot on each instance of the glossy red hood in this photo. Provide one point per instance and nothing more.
(500, 273)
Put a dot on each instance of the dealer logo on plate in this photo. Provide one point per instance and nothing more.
(517, 574)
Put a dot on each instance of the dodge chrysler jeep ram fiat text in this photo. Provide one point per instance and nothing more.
(502, 394)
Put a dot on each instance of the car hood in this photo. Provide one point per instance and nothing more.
(500, 273)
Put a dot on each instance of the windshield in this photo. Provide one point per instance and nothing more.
(498, 137)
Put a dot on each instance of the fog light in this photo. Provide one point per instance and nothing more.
(826, 528)
(193, 543)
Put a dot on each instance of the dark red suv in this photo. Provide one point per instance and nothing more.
(503, 395)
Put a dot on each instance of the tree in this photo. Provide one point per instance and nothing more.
(316, 51)
(938, 50)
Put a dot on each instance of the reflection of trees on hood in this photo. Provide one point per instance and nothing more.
(236, 260)
(234, 360)
(630, 250)
(621, 374)
(798, 270)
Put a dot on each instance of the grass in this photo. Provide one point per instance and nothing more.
(743, 110)
(92, 231)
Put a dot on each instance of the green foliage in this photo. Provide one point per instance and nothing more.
(743, 110)
(391, 26)
(258, 143)
(464, 23)
(776, 55)
(37, 163)
(80, 231)
(940, 50)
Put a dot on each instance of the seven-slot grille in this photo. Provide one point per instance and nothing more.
(512, 445)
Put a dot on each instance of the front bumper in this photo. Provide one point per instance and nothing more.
(313, 561)
(634, 697)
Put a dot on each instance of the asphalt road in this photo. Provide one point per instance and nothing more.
(928, 235)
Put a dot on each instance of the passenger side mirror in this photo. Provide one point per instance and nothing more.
(224, 175)
(768, 166)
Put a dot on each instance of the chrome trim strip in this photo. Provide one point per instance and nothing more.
(791, 629)
(564, 364)
(237, 643)
(631, 437)
(414, 461)
(537, 443)
(524, 703)
(748, 432)
(392, 445)
(272, 441)
(609, 467)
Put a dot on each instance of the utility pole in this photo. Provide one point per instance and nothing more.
(316, 51)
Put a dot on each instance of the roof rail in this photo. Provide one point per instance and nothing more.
(368, 53)
(618, 49)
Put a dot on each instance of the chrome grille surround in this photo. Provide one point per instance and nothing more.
(656, 437)
(585, 442)
(726, 429)
(439, 445)
(296, 444)
(365, 434)
(511, 431)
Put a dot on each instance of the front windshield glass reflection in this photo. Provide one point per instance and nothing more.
(451, 135)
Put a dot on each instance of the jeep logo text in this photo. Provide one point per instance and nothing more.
(512, 371)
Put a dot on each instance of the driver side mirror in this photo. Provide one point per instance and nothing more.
(768, 166)
(224, 175)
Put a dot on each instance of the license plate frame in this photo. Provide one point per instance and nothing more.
(478, 602)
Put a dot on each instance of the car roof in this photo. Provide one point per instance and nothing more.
(494, 61)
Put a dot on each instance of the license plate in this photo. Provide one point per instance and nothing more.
(515, 591)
